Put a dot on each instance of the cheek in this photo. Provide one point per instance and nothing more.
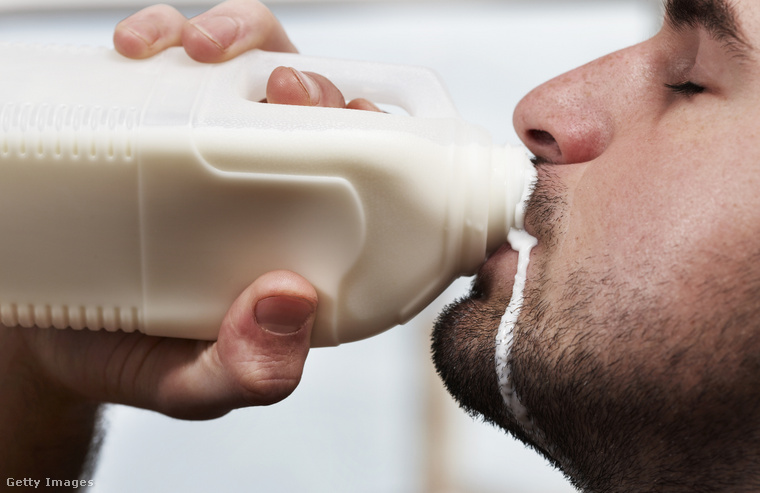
(667, 201)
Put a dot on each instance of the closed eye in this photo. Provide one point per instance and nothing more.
(687, 88)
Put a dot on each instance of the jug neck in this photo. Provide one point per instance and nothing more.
(512, 180)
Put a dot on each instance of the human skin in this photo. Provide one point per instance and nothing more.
(53, 382)
(636, 351)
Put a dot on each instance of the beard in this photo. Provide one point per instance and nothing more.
(623, 393)
(464, 336)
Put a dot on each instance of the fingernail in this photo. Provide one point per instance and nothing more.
(309, 85)
(220, 30)
(283, 314)
(148, 33)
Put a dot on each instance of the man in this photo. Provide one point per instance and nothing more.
(635, 355)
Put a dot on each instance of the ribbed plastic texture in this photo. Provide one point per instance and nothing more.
(146, 195)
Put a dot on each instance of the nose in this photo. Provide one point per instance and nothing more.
(571, 118)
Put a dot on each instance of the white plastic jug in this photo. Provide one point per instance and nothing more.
(146, 195)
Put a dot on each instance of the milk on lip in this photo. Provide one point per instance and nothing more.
(523, 243)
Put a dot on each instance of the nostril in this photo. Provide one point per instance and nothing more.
(542, 137)
(545, 146)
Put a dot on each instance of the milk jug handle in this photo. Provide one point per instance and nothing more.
(419, 91)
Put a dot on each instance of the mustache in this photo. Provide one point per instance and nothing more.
(540, 160)
(548, 202)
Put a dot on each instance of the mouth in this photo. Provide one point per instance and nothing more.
(497, 274)
(502, 268)
(502, 279)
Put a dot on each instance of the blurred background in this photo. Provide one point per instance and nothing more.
(370, 416)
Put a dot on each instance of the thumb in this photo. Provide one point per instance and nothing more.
(265, 337)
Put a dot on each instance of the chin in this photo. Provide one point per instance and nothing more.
(464, 342)
(464, 345)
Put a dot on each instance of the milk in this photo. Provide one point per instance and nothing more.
(146, 195)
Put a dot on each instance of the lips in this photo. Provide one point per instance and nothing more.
(498, 272)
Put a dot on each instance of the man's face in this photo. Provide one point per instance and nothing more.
(638, 343)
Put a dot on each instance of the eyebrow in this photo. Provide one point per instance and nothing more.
(717, 17)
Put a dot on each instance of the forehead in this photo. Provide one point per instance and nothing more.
(734, 23)
(747, 16)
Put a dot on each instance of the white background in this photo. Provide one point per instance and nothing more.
(368, 416)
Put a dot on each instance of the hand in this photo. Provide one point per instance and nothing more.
(222, 33)
(257, 359)
(52, 381)
(219, 34)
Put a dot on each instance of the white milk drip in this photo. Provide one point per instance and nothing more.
(523, 243)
